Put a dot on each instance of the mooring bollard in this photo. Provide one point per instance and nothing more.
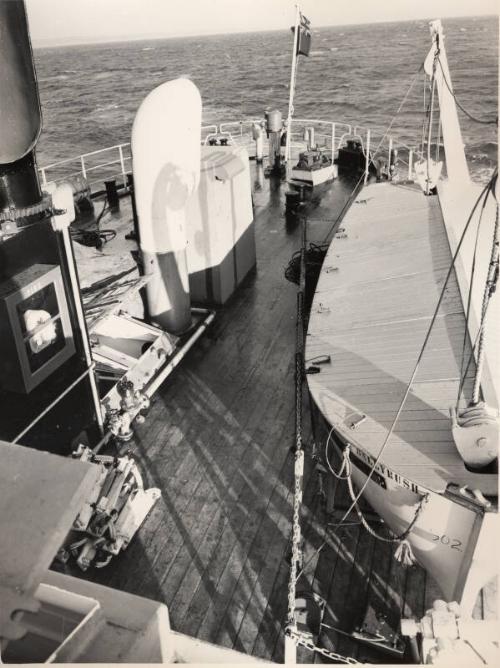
(258, 135)
(112, 195)
(135, 220)
(311, 144)
(274, 123)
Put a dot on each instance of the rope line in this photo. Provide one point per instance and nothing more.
(489, 288)
(481, 121)
(386, 539)
(338, 475)
(429, 125)
(424, 116)
(463, 372)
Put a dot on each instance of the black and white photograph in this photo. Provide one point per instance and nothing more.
(249, 332)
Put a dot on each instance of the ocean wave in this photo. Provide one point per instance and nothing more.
(106, 107)
(90, 93)
(53, 77)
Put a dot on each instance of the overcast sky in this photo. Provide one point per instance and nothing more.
(62, 21)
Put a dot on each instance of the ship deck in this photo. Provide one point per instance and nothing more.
(218, 443)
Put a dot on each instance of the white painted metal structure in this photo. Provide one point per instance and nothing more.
(166, 174)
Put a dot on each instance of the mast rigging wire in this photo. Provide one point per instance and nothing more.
(463, 372)
(489, 288)
(467, 113)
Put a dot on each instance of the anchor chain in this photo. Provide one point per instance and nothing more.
(291, 626)
(308, 644)
(299, 452)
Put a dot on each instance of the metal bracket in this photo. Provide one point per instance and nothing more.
(132, 516)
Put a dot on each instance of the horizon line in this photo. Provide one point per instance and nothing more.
(47, 43)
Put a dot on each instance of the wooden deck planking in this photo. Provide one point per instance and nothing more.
(191, 512)
(178, 484)
(265, 557)
(263, 401)
(227, 500)
(248, 384)
(359, 583)
(214, 466)
(239, 569)
(347, 571)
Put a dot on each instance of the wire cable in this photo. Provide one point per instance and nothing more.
(467, 113)
(95, 236)
(463, 372)
(480, 328)
(338, 475)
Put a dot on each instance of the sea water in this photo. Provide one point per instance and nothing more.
(357, 74)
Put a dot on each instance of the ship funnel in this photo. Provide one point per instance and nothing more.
(20, 116)
(166, 152)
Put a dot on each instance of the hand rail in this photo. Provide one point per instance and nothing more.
(84, 155)
(235, 131)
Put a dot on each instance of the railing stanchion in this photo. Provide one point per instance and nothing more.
(367, 157)
(389, 161)
(82, 161)
(122, 163)
(231, 131)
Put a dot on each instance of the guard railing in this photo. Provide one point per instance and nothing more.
(115, 162)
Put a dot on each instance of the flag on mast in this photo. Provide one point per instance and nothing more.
(301, 46)
(304, 36)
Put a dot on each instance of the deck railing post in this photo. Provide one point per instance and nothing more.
(410, 164)
(122, 163)
(333, 142)
(389, 161)
(82, 161)
(44, 176)
(367, 156)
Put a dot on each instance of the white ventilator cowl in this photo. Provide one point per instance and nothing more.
(166, 138)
